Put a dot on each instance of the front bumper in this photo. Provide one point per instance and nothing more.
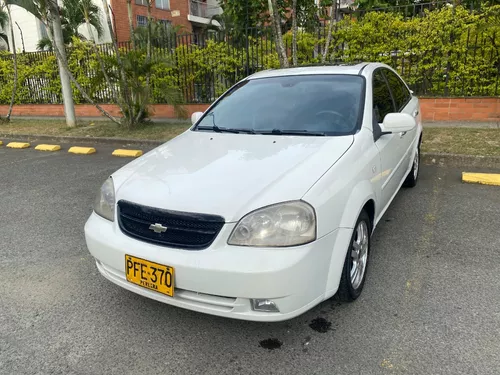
(222, 279)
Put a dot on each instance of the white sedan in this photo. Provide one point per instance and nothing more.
(266, 205)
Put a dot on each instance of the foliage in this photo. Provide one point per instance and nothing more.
(38, 79)
(72, 17)
(236, 13)
(446, 52)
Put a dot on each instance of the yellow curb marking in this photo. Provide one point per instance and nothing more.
(48, 147)
(1, 143)
(82, 150)
(18, 145)
(127, 153)
(481, 178)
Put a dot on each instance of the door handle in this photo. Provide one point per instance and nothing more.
(402, 134)
(415, 114)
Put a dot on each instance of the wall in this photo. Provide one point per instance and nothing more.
(433, 109)
(32, 28)
(460, 109)
(87, 110)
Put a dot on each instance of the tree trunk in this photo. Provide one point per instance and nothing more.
(145, 100)
(294, 32)
(131, 23)
(14, 58)
(333, 19)
(58, 42)
(280, 46)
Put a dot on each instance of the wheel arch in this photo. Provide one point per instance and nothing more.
(361, 198)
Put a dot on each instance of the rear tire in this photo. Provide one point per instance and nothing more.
(411, 179)
(356, 261)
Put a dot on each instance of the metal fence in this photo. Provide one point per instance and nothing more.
(203, 65)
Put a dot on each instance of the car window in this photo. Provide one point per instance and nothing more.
(330, 104)
(382, 100)
(399, 90)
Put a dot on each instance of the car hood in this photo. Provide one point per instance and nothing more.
(227, 174)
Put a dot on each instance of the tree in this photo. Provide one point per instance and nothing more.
(294, 32)
(278, 37)
(235, 13)
(72, 18)
(128, 74)
(3, 21)
(333, 19)
(245, 13)
(47, 11)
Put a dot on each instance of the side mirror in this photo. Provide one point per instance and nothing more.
(195, 117)
(398, 123)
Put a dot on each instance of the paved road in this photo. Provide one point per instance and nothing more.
(431, 304)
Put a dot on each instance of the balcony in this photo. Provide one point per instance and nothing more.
(200, 12)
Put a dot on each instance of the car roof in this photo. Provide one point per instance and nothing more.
(353, 69)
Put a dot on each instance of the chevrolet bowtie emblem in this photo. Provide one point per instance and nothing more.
(158, 228)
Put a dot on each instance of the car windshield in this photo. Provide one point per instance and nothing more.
(301, 104)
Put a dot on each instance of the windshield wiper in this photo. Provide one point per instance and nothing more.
(216, 129)
(292, 132)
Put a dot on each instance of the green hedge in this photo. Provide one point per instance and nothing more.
(444, 52)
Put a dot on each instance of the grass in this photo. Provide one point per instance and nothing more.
(465, 141)
(153, 131)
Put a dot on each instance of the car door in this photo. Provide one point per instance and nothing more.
(405, 103)
(391, 146)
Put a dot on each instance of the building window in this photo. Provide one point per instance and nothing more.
(162, 4)
(142, 21)
(165, 23)
(141, 2)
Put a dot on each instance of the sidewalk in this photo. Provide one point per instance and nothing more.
(462, 124)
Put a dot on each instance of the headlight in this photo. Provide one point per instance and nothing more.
(104, 204)
(279, 225)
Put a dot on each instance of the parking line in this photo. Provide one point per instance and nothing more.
(82, 150)
(1, 143)
(481, 178)
(50, 148)
(18, 145)
(127, 153)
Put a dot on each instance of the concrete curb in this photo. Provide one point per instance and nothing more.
(85, 140)
(457, 160)
(481, 178)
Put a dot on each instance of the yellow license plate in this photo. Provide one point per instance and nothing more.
(150, 275)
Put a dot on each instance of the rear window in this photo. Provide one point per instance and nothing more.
(330, 104)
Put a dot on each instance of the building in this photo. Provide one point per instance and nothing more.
(190, 15)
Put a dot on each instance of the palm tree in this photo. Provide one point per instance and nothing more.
(5, 18)
(72, 17)
(48, 12)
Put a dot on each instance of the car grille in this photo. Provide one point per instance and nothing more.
(186, 230)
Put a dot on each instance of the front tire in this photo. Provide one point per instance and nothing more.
(356, 261)
(411, 179)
